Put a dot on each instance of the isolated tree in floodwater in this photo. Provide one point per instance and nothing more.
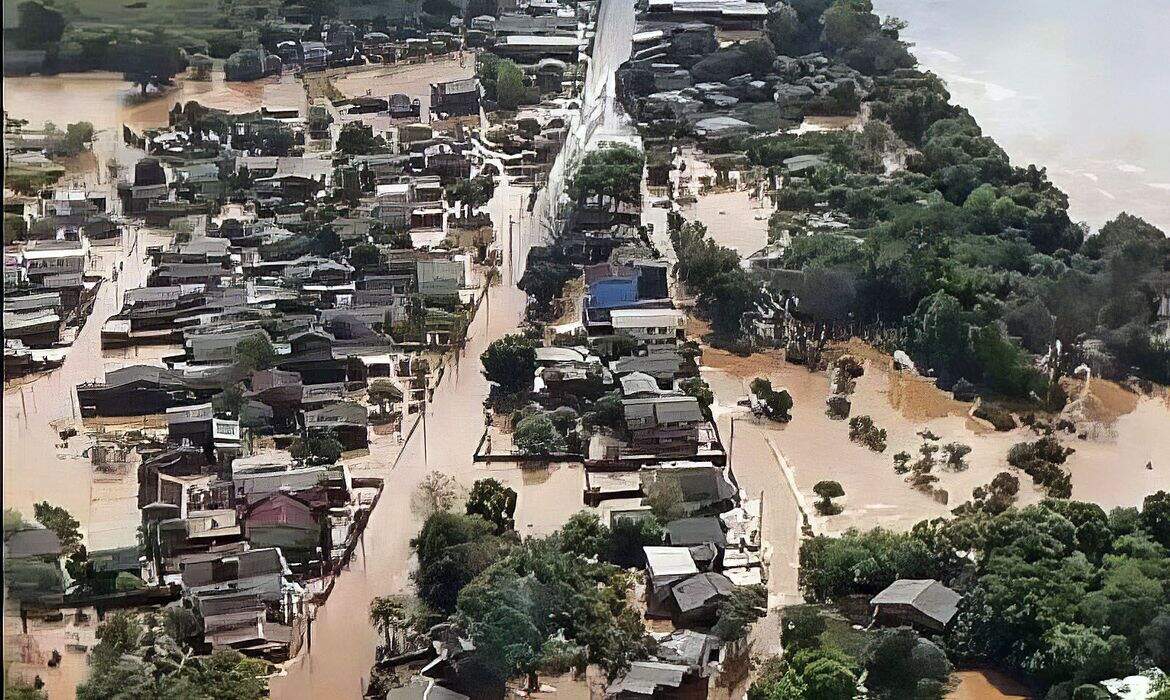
(510, 362)
(828, 490)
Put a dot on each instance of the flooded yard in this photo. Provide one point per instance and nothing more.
(108, 102)
(1110, 472)
(413, 79)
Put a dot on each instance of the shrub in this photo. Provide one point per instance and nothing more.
(863, 431)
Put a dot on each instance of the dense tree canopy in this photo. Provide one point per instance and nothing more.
(1060, 590)
(613, 174)
(510, 362)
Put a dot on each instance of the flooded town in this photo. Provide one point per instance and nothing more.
(536, 348)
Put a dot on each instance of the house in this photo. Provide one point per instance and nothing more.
(664, 425)
(231, 619)
(287, 521)
(261, 571)
(35, 329)
(664, 367)
(455, 98)
(703, 485)
(654, 679)
(530, 48)
(650, 327)
(803, 165)
(924, 604)
(726, 14)
(141, 390)
(403, 106)
(346, 420)
(440, 278)
(695, 600)
(664, 567)
(190, 423)
(690, 648)
(32, 564)
(314, 55)
(610, 286)
(687, 532)
(639, 385)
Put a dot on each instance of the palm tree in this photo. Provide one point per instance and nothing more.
(388, 615)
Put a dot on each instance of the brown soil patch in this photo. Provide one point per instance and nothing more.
(917, 398)
(759, 364)
(1098, 400)
(862, 351)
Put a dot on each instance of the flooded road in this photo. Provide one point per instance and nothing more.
(343, 643)
(35, 468)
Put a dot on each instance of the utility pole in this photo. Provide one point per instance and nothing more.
(731, 443)
(511, 253)
(424, 426)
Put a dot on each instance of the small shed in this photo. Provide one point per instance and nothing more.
(924, 604)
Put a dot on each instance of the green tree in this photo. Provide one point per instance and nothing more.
(744, 605)
(627, 538)
(365, 257)
(613, 173)
(64, 526)
(443, 529)
(828, 490)
(15, 228)
(154, 61)
(801, 628)
(536, 435)
(493, 502)
(898, 660)
(255, 353)
(358, 139)
(37, 25)
(696, 387)
(510, 363)
(585, 535)
(14, 521)
(665, 498)
(510, 90)
(729, 299)
(777, 404)
(316, 448)
(941, 336)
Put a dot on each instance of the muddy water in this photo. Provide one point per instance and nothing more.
(987, 685)
(108, 102)
(410, 79)
(35, 467)
(1111, 473)
(733, 219)
(343, 642)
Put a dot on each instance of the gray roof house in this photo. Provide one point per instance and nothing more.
(925, 604)
(695, 600)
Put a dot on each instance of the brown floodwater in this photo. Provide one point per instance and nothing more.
(734, 219)
(37, 466)
(1110, 472)
(343, 642)
(411, 79)
(106, 101)
(986, 685)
